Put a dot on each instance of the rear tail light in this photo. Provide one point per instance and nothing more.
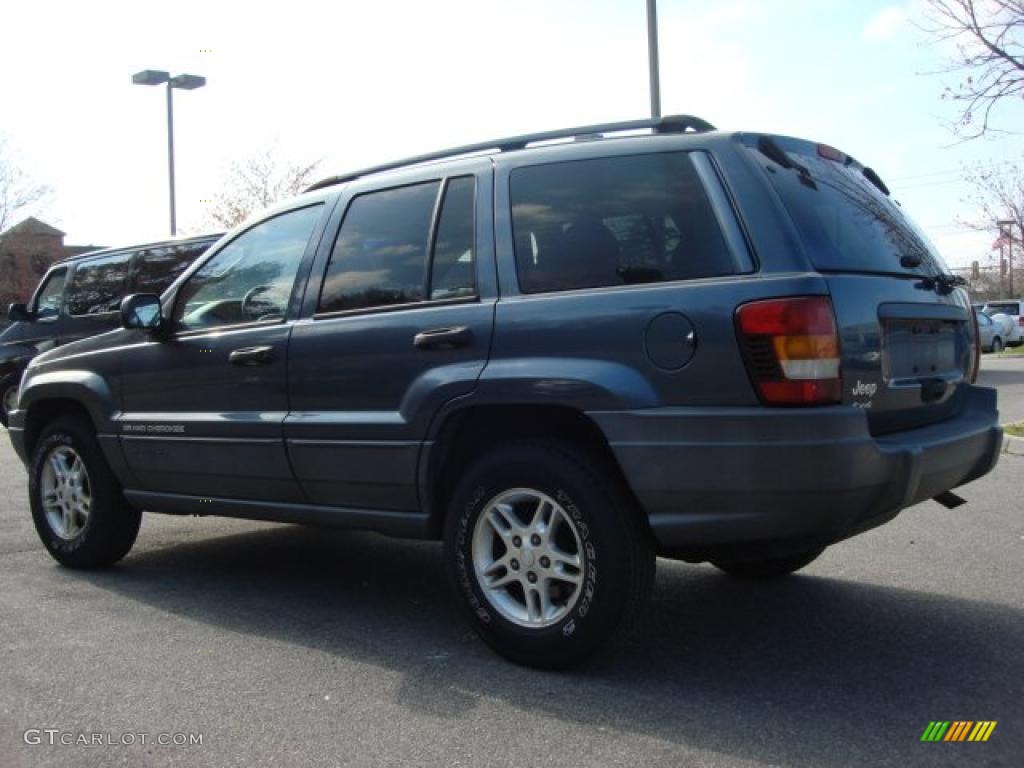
(792, 350)
(972, 373)
(1020, 321)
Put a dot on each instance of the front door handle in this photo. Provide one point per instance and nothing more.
(443, 338)
(252, 356)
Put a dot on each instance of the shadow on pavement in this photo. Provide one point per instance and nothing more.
(807, 671)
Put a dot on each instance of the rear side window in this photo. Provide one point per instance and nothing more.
(98, 285)
(453, 272)
(156, 268)
(380, 256)
(614, 221)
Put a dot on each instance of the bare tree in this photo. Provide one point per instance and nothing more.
(989, 40)
(18, 193)
(255, 182)
(998, 196)
(998, 193)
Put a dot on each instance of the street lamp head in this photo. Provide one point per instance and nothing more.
(150, 77)
(188, 82)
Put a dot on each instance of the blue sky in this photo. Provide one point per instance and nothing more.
(356, 83)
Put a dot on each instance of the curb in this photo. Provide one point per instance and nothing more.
(1013, 445)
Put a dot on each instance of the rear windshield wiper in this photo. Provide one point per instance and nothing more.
(768, 147)
(944, 282)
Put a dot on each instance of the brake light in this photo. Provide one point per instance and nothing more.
(975, 351)
(1020, 321)
(831, 153)
(792, 350)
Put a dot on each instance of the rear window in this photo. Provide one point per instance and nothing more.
(1005, 308)
(614, 221)
(846, 222)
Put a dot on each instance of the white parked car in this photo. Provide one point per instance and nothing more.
(990, 333)
(1008, 314)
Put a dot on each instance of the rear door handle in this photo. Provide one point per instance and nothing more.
(252, 356)
(443, 338)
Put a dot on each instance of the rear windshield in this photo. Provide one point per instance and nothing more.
(1004, 308)
(846, 222)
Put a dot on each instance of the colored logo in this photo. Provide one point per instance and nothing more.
(958, 730)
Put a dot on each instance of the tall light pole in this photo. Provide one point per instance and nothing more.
(1006, 236)
(652, 57)
(182, 82)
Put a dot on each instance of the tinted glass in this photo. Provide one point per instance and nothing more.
(453, 272)
(156, 268)
(612, 221)
(1005, 308)
(99, 285)
(845, 221)
(51, 295)
(380, 256)
(251, 278)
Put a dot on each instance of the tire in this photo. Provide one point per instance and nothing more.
(75, 533)
(8, 384)
(767, 568)
(598, 596)
(997, 345)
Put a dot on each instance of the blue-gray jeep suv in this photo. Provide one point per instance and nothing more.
(563, 354)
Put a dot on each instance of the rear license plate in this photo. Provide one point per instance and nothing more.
(920, 348)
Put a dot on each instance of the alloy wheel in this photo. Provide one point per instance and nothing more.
(528, 557)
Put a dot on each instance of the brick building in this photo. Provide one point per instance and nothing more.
(26, 250)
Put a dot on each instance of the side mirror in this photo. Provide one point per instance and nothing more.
(142, 310)
(19, 313)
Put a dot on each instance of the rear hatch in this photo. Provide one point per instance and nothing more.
(906, 330)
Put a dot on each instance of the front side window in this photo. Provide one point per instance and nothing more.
(251, 278)
(156, 268)
(50, 296)
(99, 285)
(614, 221)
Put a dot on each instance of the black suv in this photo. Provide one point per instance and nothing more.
(80, 297)
(563, 354)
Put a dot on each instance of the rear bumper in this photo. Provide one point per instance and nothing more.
(715, 478)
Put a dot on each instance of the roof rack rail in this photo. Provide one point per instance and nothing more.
(666, 124)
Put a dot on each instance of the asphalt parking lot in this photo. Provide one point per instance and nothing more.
(290, 646)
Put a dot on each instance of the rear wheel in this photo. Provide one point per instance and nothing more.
(8, 397)
(548, 558)
(997, 345)
(78, 509)
(767, 568)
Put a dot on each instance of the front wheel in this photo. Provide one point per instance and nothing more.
(547, 555)
(8, 397)
(78, 508)
(768, 567)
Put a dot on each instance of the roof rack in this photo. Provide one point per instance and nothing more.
(666, 124)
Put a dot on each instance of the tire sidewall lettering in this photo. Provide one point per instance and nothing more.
(56, 543)
(473, 593)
